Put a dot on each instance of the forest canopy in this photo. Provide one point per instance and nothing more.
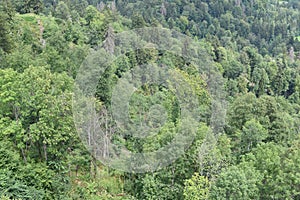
(245, 146)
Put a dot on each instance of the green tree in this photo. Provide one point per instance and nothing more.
(267, 160)
(37, 111)
(252, 134)
(6, 24)
(236, 183)
(62, 11)
(30, 6)
(196, 188)
(137, 21)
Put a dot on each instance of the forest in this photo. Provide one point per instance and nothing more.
(63, 65)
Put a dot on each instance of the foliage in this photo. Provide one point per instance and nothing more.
(254, 45)
(196, 188)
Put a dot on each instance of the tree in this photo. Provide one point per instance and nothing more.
(292, 54)
(196, 188)
(252, 134)
(267, 160)
(163, 9)
(109, 42)
(137, 21)
(100, 6)
(37, 112)
(30, 6)
(6, 24)
(62, 11)
(36, 118)
(289, 180)
(241, 111)
(282, 129)
(261, 81)
(236, 182)
(96, 25)
(113, 6)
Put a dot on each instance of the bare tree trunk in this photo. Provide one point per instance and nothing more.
(23, 155)
(77, 168)
(45, 152)
(16, 114)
